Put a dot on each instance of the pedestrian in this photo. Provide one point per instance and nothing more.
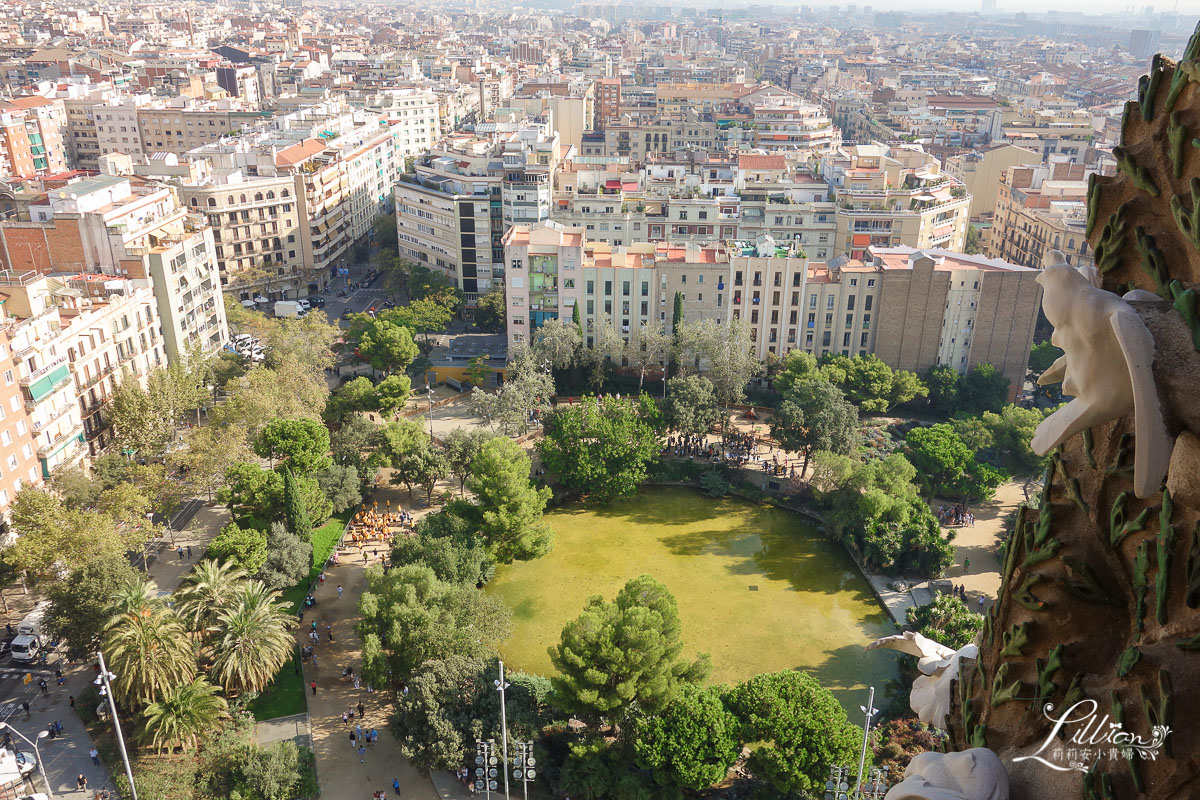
(57, 727)
(353, 739)
(95, 754)
(59, 677)
(180, 551)
(980, 604)
(362, 754)
(374, 736)
(314, 660)
(189, 552)
(345, 717)
(357, 683)
(313, 685)
(358, 729)
(321, 579)
(339, 591)
(71, 700)
(81, 782)
(396, 786)
(25, 708)
(43, 686)
(361, 710)
(966, 565)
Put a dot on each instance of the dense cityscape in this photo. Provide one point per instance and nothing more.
(589, 401)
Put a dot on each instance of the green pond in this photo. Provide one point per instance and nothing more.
(757, 588)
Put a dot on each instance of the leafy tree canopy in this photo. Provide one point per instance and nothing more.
(599, 446)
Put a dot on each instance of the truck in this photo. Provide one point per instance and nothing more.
(27, 646)
(287, 308)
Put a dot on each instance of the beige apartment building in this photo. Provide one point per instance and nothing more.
(913, 308)
(982, 169)
(1038, 209)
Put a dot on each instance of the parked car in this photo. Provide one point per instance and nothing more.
(346, 312)
(304, 304)
(316, 301)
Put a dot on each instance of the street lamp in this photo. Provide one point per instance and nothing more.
(500, 687)
(523, 766)
(876, 786)
(485, 766)
(836, 787)
(870, 710)
(106, 691)
(4, 726)
(429, 395)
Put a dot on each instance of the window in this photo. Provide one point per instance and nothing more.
(812, 301)
(516, 263)
(12, 462)
(828, 320)
(700, 297)
(870, 282)
(8, 377)
(27, 451)
(829, 301)
(683, 278)
(868, 302)
(608, 287)
(591, 287)
(625, 288)
(645, 288)
(825, 339)
(849, 320)
(20, 425)
(683, 215)
(850, 301)
(15, 402)
(6, 438)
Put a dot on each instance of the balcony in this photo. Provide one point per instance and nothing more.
(47, 449)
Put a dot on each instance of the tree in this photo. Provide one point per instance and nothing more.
(946, 467)
(424, 282)
(305, 341)
(798, 366)
(983, 388)
(353, 443)
(183, 716)
(1041, 356)
(251, 490)
(408, 617)
(490, 311)
(427, 732)
(299, 445)
(289, 558)
(971, 246)
(869, 383)
(76, 488)
(691, 742)
(973, 432)
(392, 393)
(448, 545)
(342, 485)
(815, 416)
(729, 353)
(293, 390)
(150, 652)
(648, 346)
(527, 389)
(943, 384)
(462, 445)
(252, 639)
(354, 397)
(805, 730)
(207, 589)
(1011, 433)
(947, 621)
(79, 605)
(509, 509)
(477, 370)
(677, 312)
(47, 534)
(145, 419)
(425, 315)
(691, 406)
(245, 547)
(211, 450)
(621, 653)
(280, 771)
(388, 347)
(295, 512)
(556, 342)
(414, 460)
(599, 446)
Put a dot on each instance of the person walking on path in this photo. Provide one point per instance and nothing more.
(43, 686)
(189, 552)
(25, 708)
(361, 710)
(353, 739)
(345, 717)
(966, 565)
(374, 736)
(95, 754)
(362, 754)
(314, 688)
(358, 729)
(339, 591)
(180, 551)
(81, 782)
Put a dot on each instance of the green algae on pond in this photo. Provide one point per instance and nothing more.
(758, 589)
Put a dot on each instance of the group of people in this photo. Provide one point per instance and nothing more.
(687, 446)
(370, 525)
(955, 516)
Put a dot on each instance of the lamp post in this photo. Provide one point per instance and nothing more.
(37, 753)
(870, 710)
(500, 687)
(485, 766)
(664, 380)
(523, 766)
(429, 396)
(106, 690)
(836, 787)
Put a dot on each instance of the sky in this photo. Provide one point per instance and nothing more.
(1190, 7)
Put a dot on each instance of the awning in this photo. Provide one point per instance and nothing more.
(612, 184)
(630, 186)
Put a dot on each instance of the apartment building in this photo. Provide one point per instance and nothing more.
(117, 127)
(913, 308)
(981, 171)
(18, 464)
(44, 121)
(608, 102)
(182, 124)
(111, 226)
(1038, 209)
(415, 111)
(83, 136)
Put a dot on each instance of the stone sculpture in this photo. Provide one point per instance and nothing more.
(1106, 368)
(938, 665)
(974, 774)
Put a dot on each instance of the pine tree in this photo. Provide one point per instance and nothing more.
(295, 511)
(676, 321)
(575, 317)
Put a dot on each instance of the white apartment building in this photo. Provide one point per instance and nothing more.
(116, 120)
(416, 113)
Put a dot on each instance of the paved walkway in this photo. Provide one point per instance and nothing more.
(978, 544)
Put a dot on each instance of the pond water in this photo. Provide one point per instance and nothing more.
(757, 588)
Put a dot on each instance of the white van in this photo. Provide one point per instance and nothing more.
(26, 647)
(32, 624)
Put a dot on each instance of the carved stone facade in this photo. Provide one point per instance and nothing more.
(1100, 587)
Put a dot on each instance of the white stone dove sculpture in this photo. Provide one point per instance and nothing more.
(938, 665)
(975, 774)
(1106, 367)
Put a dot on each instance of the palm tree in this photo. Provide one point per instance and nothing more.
(252, 639)
(184, 715)
(206, 591)
(134, 597)
(151, 653)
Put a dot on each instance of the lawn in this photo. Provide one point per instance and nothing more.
(285, 694)
(758, 588)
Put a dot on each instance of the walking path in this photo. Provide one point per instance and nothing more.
(339, 770)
